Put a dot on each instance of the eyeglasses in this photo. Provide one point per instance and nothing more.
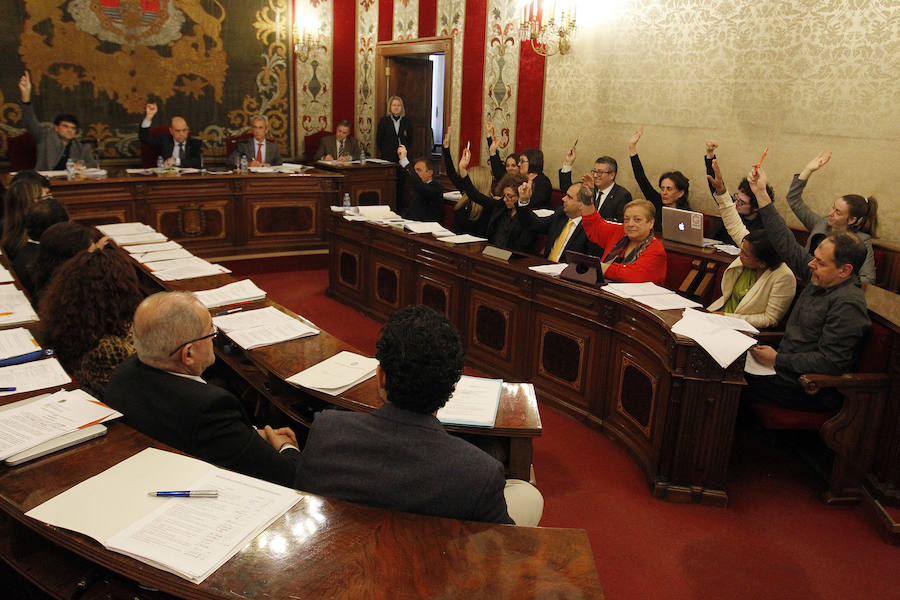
(596, 172)
(199, 339)
(739, 201)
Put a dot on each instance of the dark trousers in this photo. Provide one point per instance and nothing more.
(774, 389)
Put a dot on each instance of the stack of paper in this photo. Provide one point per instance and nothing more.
(474, 402)
(238, 292)
(15, 307)
(432, 227)
(141, 249)
(126, 234)
(728, 249)
(337, 374)
(30, 424)
(262, 327)
(654, 296)
(184, 268)
(190, 537)
(719, 335)
(16, 343)
(379, 212)
(31, 376)
(464, 238)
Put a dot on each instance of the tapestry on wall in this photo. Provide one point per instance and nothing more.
(214, 62)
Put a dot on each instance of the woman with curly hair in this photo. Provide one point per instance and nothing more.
(86, 314)
(59, 243)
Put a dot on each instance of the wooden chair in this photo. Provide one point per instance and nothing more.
(852, 432)
(311, 144)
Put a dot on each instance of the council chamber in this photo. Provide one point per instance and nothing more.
(492, 298)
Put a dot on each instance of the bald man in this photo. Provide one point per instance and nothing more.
(162, 394)
(177, 148)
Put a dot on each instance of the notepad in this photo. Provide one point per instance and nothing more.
(238, 292)
(17, 342)
(263, 327)
(190, 537)
(474, 402)
(337, 374)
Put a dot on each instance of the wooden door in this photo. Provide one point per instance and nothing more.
(410, 78)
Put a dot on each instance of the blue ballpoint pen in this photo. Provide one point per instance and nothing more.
(24, 358)
(186, 494)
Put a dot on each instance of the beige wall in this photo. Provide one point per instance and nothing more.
(800, 77)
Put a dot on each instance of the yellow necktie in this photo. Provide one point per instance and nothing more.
(560, 242)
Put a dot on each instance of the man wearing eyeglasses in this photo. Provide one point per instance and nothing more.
(610, 198)
(162, 394)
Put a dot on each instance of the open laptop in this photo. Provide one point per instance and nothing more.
(685, 226)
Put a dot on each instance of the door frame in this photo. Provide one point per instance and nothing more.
(415, 47)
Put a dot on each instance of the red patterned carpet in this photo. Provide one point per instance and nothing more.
(775, 539)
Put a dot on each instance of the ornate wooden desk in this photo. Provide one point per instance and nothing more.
(372, 183)
(609, 362)
(214, 215)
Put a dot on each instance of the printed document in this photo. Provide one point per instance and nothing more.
(190, 537)
(716, 334)
(15, 308)
(464, 238)
(337, 374)
(474, 402)
(232, 293)
(262, 327)
(16, 342)
(32, 376)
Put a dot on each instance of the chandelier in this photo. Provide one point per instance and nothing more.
(550, 31)
(308, 37)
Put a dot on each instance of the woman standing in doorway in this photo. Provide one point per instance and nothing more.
(394, 129)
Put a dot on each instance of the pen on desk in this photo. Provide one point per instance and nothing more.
(5, 314)
(228, 312)
(7, 389)
(186, 494)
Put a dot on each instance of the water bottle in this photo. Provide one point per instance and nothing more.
(362, 156)
(346, 201)
(70, 169)
(160, 163)
(243, 163)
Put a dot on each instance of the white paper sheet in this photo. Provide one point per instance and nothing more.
(337, 374)
(28, 425)
(34, 375)
(161, 255)
(147, 237)
(722, 343)
(543, 212)
(15, 308)
(464, 238)
(145, 248)
(474, 402)
(190, 537)
(429, 227)
(262, 327)
(728, 249)
(190, 272)
(16, 342)
(669, 301)
(630, 290)
(554, 270)
(754, 367)
(5, 275)
(232, 293)
(124, 228)
(453, 196)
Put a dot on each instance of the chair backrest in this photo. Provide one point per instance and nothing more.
(311, 144)
(22, 152)
(148, 154)
(876, 350)
(231, 142)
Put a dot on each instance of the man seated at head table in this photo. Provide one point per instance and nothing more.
(176, 148)
(57, 145)
(609, 197)
(341, 146)
(400, 457)
(259, 151)
(563, 228)
(825, 329)
(162, 394)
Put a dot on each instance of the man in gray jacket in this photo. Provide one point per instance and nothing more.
(55, 145)
(825, 330)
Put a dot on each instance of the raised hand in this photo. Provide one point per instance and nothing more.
(25, 87)
(489, 129)
(401, 151)
(150, 110)
(815, 164)
(716, 181)
(587, 180)
(758, 180)
(463, 166)
(711, 146)
(632, 143)
(525, 191)
(570, 156)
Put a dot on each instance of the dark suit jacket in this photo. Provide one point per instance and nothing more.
(387, 139)
(504, 230)
(328, 145)
(164, 145)
(613, 208)
(401, 460)
(202, 419)
(553, 226)
(248, 148)
(427, 202)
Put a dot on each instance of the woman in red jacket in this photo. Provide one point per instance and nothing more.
(633, 253)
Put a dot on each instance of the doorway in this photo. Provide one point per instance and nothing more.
(421, 72)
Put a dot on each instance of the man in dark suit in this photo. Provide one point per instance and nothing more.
(162, 394)
(341, 146)
(563, 227)
(176, 147)
(400, 457)
(259, 151)
(427, 202)
(609, 197)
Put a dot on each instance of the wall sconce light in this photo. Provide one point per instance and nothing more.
(550, 31)
(308, 37)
